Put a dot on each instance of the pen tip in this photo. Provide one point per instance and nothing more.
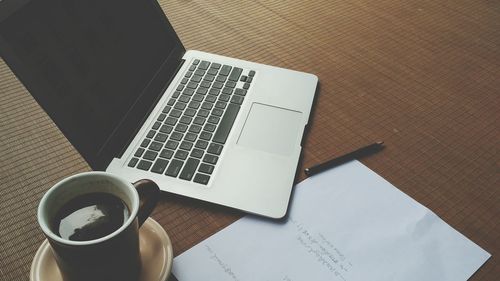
(380, 142)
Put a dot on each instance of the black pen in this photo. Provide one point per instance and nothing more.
(359, 153)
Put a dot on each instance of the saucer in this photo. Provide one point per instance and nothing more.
(156, 256)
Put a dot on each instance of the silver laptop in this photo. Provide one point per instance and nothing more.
(129, 97)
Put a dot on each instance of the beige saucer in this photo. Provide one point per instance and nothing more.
(156, 256)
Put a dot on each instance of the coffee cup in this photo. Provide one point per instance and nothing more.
(92, 221)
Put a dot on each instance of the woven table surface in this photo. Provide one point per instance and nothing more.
(423, 76)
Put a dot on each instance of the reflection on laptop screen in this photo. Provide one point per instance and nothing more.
(93, 57)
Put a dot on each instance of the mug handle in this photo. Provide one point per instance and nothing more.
(148, 195)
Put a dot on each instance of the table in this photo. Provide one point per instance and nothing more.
(424, 76)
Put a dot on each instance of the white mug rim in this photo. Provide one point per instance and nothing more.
(43, 202)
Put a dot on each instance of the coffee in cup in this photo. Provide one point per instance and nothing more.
(92, 221)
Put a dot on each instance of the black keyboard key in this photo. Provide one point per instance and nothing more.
(221, 104)
(235, 74)
(199, 72)
(171, 102)
(251, 73)
(195, 129)
(202, 91)
(181, 154)
(186, 119)
(181, 128)
(231, 84)
(217, 85)
(214, 92)
(192, 85)
(190, 112)
(205, 84)
(144, 165)
(180, 105)
(174, 168)
(243, 78)
(139, 152)
(188, 92)
(227, 90)
(184, 80)
(159, 166)
(196, 78)
(171, 144)
(198, 153)
(192, 67)
(225, 70)
(217, 112)
(198, 97)
(226, 123)
(205, 135)
(237, 99)
(241, 92)
(156, 125)
(189, 169)
(246, 86)
(180, 87)
(150, 155)
(213, 119)
(207, 105)
(206, 168)
(212, 71)
(171, 121)
(167, 153)
(190, 137)
(203, 113)
(215, 148)
(166, 109)
(176, 94)
(249, 79)
(209, 77)
(211, 159)
(201, 144)
(162, 117)
(184, 98)
(176, 136)
(188, 74)
(211, 98)
(161, 137)
(209, 127)
(133, 162)
(204, 65)
(194, 104)
(145, 142)
(166, 129)
(156, 146)
(176, 114)
(199, 120)
(221, 78)
(186, 145)
(216, 65)
(224, 97)
(201, 179)
(196, 62)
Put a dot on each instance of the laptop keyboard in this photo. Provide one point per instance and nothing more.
(188, 136)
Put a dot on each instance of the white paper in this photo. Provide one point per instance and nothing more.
(345, 224)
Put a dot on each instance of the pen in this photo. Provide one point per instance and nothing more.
(359, 153)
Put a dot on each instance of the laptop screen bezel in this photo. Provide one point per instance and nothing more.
(131, 122)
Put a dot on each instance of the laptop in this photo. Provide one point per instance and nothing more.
(117, 81)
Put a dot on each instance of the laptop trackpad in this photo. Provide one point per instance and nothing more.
(271, 129)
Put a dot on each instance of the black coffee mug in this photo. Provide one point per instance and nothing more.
(114, 256)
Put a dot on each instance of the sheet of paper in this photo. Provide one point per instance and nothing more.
(345, 224)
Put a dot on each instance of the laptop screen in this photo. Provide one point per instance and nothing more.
(89, 63)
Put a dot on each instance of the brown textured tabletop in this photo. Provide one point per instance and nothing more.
(424, 76)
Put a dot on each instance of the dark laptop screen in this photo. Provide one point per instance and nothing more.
(88, 63)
